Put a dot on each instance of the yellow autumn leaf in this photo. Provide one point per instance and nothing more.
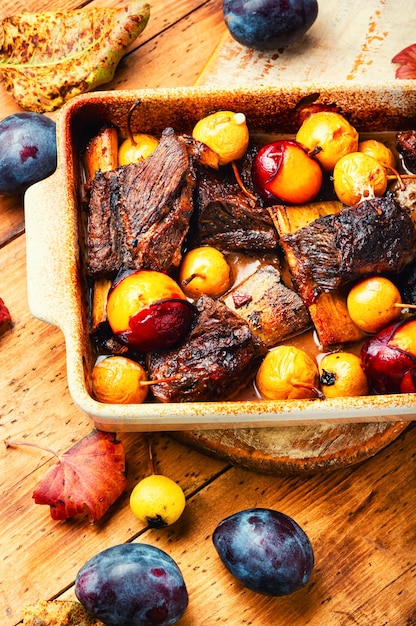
(48, 58)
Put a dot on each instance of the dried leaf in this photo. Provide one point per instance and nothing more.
(89, 476)
(406, 59)
(58, 613)
(48, 58)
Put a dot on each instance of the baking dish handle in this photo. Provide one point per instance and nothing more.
(51, 248)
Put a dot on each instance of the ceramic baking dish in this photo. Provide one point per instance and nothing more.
(56, 286)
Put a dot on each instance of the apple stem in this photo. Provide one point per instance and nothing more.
(241, 184)
(239, 119)
(395, 176)
(401, 305)
(399, 177)
(312, 153)
(152, 464)
(313, 388)
(186, 281)
(159, 380)
(129, 116)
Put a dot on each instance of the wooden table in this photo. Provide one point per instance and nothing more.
(360, 519)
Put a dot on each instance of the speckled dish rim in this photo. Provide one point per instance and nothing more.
(56, 292)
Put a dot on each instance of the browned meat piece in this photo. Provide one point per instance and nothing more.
(406, 146)
(219, 357)
(374, 236)
(273, 311)
(139, 214)
(226, 218)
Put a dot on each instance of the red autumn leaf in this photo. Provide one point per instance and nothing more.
(89, 476)
(5, 318)
(406, 59)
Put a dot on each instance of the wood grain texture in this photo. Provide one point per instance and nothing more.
(350, 40)
(360, 518)
(361, 527)
(292, 449)
(163, 56)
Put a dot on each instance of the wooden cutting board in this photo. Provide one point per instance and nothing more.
(295, 449)
(351, 41)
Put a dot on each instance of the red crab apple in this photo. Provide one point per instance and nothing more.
(389, 358)
(283, 170)
(148, 311)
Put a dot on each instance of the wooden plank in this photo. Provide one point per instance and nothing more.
(35, 576)
(361, 527)
(350, 40)
(36, 404)
(360, 519)
(174, 32)
(155, 65)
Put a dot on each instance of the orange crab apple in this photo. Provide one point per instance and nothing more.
(147, 310)
(283, 170)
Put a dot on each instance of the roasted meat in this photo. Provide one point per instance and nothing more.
(226, 217)
(219, 357)
(329, 312)
(273, 312)
(406, 146)
(375, 236)
(139, 214)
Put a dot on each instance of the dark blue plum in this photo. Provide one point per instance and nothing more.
(269, 24)
(28, 151)
(132, 585)
(265, 550)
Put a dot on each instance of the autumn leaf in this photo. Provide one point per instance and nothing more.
(5, 318)
(63, 612)
(48, 58)
(406, 59)
(88, 477)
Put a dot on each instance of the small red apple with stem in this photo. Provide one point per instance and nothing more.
(284, 171)
(148, 311)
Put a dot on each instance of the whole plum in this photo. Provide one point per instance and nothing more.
(132, 585)
(28, 151)
(265, 550)
(269, 24)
